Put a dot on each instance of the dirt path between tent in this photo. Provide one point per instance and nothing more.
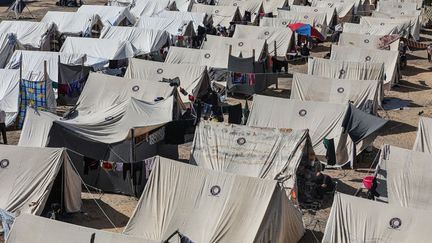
(415, 90)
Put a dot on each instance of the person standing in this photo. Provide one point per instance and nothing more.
(3, 125)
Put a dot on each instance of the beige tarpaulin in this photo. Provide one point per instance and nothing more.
(211, 206)
(110, 15)
(72, 23)
(209, 58)
(364, 94)
(329, 11)
(220, 15)
(265, 153)
(239, 47)
(28, 175)
(30, 35)
(389, 58)
(354, 219)
(423, 142)
(365, 41)
(346, 69)
(193, 78)
(403, 178)
(44, 230)
(282, 36)
(173, 26)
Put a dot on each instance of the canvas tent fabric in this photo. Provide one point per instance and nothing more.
(98, 51)
(8, 43)
(254, 7)
(72, 23)
(387, 6)
(413, 166)
(193, 78)
(365, 41)
(110, 15)
(175, 27)
(50, 231)
(234, 208)
(329, 11)
(389, 58)
(239, 47)
(29, 178)
(379, 30)
(151, 7)
(257, 152)
(144, 41)
(423, 141)
(354, 219)
(282, 36)
(198, 19)
(220, 15)
(363, 94)
(209, 58)
(272, 6)
(9, 93)
(317, 20)
(37, 125)
(406, 26)
(344, 10)
(418, 3)
(358, 4)
(30, 35)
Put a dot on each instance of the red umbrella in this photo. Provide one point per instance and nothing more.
(306, 30)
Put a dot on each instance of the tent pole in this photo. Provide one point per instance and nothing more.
(132, 158)
(275, 51)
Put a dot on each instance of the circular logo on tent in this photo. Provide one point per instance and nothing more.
(4, 163)
(399, 6)
(340, 90)
(392, 17)
(302, 112)
(368, 58)
(284, 23)
(315, 10)
(207, 55)
(342, 71)
(109, 118)
(330, 4)
(382, 24)
(159, 71)
(241, 141)
(402, 13)
(395, 223)
(235, 4)
(240, 44)
(216, 11)
(366, 41)
(215, 190)
(306, 17)
(266, 33)
(367, 33)
(135, 88)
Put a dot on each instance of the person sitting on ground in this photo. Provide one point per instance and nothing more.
(3, 125)
(324, 184)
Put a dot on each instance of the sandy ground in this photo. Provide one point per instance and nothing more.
(414, 88)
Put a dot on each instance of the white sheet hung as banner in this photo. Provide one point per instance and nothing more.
(355, 219)
(28, 178)
(282, 36)
(36, 128)
(209, 58)
(73, 23)
(389, 58)
(239, 47)
(423, 142)
(30, 35)
(344, 10)
(175, 27)
(406, 26)
(9, 94)
(254, 7)
(211, 206)
(403, 178)
(329, 11)
(198, 19)
(366, 41)
(220, 15)
(379, 30)
(144, 41)
(110, 15)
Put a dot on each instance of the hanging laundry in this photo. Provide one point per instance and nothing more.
(238, 78)
(72, 79)
(33, 94)
(251, 79)
(148, 166)
(119, 167)
(106, 165)
(90, 164)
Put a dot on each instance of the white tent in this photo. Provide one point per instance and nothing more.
(98, 51)
(144, 41)
(52, 231)
(388, 29)
(364, 94)
(358, 4)
(423, 141)
(354, 219)
(403, 178)
(37, 125)
(210, 58)
(110, 15)
(72, 23)
(28, 176)
(181, 5)
(329, 11)
(254, 7)
(210, 206)
(265, 153)
(346, 69)
(198, 19)
(272, 6)
(282, 36)
(389, 58)
(387, 6)
(366, 41)
(8, 44)
(30, 35)
(419, 3)
(344, 10)
(9, 93)
(193, 78)
(406, 25)
(239, 47)
(175, 27)
(151, 7)
(317, 20)
(219, 15)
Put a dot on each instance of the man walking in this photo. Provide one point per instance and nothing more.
(3, 125)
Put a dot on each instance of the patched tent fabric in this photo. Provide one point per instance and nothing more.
(345, 69)
(379, 30)
(9, 94)
(423, 142)
(254, 7)
(317, 20)
(198, 19)
(210, 206)
(265, 153)
(364, 94)
(354, 219)
(29, 177)
(282, 36)
(389, 58)
(175, 27)
(72, 23)
(98, 51)
(344, 10)
(239, 47)
(144, 41)
(220, 15)
(30, 35)
(406, 26)
(329, 11)
(209, 58)
(8, 43)
(366, 41)
(193, 78)
(37, 125)
(403, 178)
(46, 230)
(110, 15)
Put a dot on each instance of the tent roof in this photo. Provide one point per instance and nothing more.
(211, 58)
(406, 26)
(110, 15)
(36, 128)
(208, 206)
(220, 15)
(52, 231)
(423, 141)
(150, 7)
(198, 19)
(72, 22)
(272, 6)
(365, 41)
(28, 33)
(343, 9)
(385, 6)
(144, 41)
(171, 25)
(9, 93)
(252, 6)
(370, 29)
(317, 20)
(282, 37)
(244, 47)
(329, 11)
